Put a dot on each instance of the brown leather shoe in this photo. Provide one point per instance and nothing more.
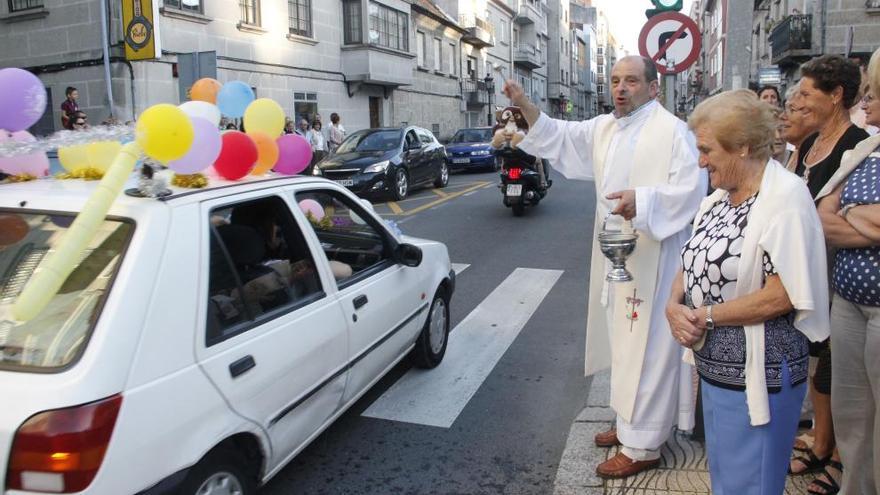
(607, 438)
(621, 466)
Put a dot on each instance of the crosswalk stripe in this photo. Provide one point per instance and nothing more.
(459, 267)
(436, 397)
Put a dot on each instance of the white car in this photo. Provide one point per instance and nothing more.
(205, 338)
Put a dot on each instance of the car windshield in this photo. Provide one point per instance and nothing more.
(371, 140)
(472, 136)
(57, 336)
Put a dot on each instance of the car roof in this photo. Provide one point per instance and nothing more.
(73, 193)
(475, 129)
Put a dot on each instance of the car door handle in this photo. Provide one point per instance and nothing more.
(359, 301)
(242, 366)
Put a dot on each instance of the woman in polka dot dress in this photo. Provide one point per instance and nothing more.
(746, 299)
(850, 212)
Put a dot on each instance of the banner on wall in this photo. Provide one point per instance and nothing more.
(139, 29)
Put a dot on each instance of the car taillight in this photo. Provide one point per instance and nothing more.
(60, 451)
(514, 173)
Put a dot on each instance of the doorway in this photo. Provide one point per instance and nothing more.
(375, 112)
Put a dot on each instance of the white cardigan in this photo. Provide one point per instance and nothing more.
(783, 222)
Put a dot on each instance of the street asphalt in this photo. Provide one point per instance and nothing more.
(510, 436)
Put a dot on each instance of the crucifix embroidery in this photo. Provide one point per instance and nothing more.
(633, 315)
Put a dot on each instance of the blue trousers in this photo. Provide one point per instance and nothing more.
(746, 459)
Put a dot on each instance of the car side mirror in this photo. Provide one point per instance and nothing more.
(408, 255)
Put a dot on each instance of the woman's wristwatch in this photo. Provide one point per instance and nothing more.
(710, 323)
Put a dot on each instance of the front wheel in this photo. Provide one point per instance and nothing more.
(431, 343)
(400, 188)
(443, 177)
(221, 473)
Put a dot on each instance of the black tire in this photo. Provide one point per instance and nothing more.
(400, 187)
(220, 472)
(443, 178)
(518, 209)
(431, 343)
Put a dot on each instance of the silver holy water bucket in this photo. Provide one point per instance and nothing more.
(617, 245)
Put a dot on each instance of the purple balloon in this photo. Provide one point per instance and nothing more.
(294, 154)
(204, 150)
(36, 164)
(22, 99)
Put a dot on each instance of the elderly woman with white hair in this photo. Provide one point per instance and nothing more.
(849, 206)
(742, 302)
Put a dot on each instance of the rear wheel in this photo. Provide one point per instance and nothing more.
(400, 188)
(224, 472)
(431, 343)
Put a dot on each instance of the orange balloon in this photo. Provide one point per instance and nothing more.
(267, 152)
(205, 89)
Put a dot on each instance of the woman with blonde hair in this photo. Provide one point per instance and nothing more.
(742, 302)
(849, 206)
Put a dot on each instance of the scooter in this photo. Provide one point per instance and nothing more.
(520, 181)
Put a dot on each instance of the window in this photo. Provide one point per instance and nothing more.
(472, 68)
(19, 5)
(260, 267)
(503, 32)
(198, 8)
(438, 54)
(420, 49)
(300, 15)
(59, 334)
(388, 27)
(453, 67)
(412, 140)
(600, 88)
(355, 245)
(351, 22)
(250, 12)
(305, 106)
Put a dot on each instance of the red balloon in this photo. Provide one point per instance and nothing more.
(237, 157)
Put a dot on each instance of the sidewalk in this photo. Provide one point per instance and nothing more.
(683, 469)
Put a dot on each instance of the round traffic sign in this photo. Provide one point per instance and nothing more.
(671, 40)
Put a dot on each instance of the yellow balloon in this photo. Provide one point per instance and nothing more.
(164, 132)
(74, 157)
(264, 115)
(102, 154)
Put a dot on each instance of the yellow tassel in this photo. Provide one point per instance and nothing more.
(21, 178)
(87, 173)
(191, 181)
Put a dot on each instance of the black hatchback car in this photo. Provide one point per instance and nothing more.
(389, 161)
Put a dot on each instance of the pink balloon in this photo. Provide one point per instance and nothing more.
(204, 150)
(36, 164)
(294, 154)
(313, 207)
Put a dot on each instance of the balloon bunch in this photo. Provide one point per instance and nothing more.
(22, 103)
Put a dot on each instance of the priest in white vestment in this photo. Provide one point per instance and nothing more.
(644, 164)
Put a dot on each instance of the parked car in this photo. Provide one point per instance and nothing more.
(387, 161)
(470, 149)
(206, 337)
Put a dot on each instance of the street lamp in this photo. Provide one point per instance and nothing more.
(490, 89)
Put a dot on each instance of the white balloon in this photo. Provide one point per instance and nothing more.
(202, 109)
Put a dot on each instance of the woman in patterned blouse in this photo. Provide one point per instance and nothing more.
(850, 213)
(743, 301)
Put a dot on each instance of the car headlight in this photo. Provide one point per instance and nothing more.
(317, 171)
(377, 167)
(481, 153)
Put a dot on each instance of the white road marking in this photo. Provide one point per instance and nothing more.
(459, 267)
(436, 397)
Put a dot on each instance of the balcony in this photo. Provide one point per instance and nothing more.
(526, 55)
(480, 32)
(527, 13)
(792, 40)
(373, 64)
(474, 92)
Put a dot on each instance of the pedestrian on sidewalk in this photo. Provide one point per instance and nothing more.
(337, 132)
(69, 108)
(319, 146)
(752, 294)
(793, 129)
(644, 163)
(849, 209)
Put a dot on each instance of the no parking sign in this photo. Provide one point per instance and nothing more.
(670, 37)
